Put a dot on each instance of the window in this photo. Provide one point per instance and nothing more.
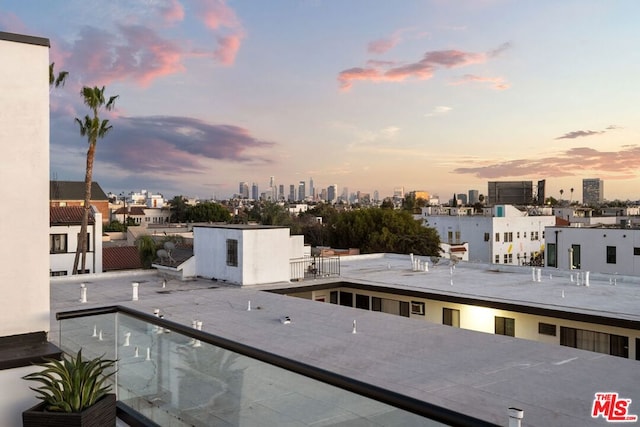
(404, 308)
(362, 301)
(497, 260)
(457, 237)
(517, 235)
(551, 255)
(505, 326)
(487, 236)
(508, 237)
(506, 258)
(524, 234)
(58, 273)
(534, 235)
(497, 237)
(576, 256)
(417, 308)
(611, 254)
(333, 297)
(450, 236)
(451, 317)
(546, 329)
(346, 299)
(232, 252)
(57, 243)
(376, 304)
(637, 348)
(599, 342)
(636, 251)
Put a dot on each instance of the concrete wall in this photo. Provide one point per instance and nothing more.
(24, 254)
(593, 248)
(263, 254)
(24, 136)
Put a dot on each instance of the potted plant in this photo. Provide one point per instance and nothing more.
(74, 392)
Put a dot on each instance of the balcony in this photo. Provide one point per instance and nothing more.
(172, 374)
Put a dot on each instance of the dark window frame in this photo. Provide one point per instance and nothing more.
(232, 252)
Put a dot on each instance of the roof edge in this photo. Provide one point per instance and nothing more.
(21, 38)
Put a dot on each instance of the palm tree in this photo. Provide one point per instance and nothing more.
(561, 193)
(571, 199)
(93, 128)
(60, 79)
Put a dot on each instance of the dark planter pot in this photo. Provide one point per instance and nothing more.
(101, 414)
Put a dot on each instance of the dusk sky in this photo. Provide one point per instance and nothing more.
(433, 95)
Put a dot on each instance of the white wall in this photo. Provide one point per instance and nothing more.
(24, 253)
(64, 261)
(593, 248)
(24, 136)
(210, 250)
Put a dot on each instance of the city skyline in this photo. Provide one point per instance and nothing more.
(435, 96)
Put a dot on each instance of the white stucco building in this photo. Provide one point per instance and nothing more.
(245, 254)
(65, 224)
(24, 136)
(611, 250)
(501, 234)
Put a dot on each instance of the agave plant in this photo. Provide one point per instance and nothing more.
(72, 384)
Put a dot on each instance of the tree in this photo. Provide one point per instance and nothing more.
(93, 128)
(57, 80)
(179, 209)
(147, 249)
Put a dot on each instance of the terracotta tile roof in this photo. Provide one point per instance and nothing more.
(131, 210)
(67, 215)
(120, 258)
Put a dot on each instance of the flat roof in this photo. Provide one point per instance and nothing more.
(21, 38)
(239, 226)
(465, 371)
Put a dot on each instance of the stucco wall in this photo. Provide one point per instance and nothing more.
(24, 136)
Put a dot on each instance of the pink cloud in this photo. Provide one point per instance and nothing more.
(382, 45)
(136, 53)
(228, 47)
(10, 23)
(172, 12)
(423, 69)
(615, 164)
(216, 14)
(497, 82)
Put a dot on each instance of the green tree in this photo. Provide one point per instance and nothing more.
(147, 248)
(207, 212)
(179, 209)
(57, 80)
(93, 128)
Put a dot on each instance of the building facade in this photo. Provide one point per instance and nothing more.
(501, 234)
(64, 232)
(592, 191)
(510, 192)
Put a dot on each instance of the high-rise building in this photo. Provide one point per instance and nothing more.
(273, 187)
(292, 193)
(243, 190)
(255, 195)
(474, 197)
(312, 190)
(301, 191)
(462, 198)
(592, 191)
(332, 192)
(280, 192)
(376, 196)
(510, 193)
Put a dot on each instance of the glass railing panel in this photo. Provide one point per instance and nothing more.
(177, 380)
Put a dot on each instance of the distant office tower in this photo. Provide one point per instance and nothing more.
(332, 192)
(474, 197)
(292, 193)
(312, 190)
(542, 191)
(376, 196)
(592, 191)
(302, 194)
(255, 195)
(272, 181)
(510, 192)
(281, 192)
(462, 198)
(398, 193)
(243, 190)
(273, 187)
(345, 194)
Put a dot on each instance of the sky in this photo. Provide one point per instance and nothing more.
(431, 95)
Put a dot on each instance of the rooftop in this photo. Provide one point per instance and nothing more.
(465, 371)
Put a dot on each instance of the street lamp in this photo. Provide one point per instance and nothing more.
(124, 213)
